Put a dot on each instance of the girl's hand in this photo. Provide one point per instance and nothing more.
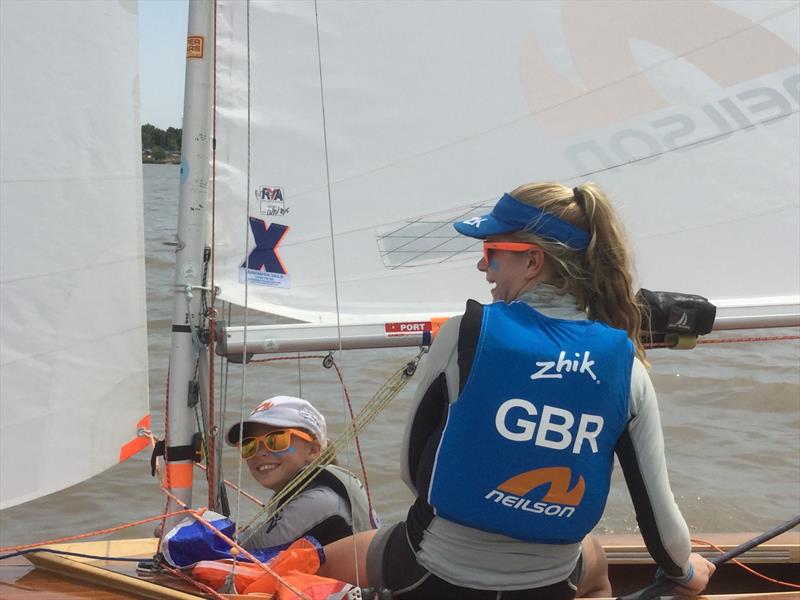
(703, 570)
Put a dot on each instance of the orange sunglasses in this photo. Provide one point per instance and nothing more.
(510, 246)
(274, 441)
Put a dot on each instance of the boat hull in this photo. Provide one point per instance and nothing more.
(630, 568)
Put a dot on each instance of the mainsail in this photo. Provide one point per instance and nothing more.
(73, 347)
(380, 123)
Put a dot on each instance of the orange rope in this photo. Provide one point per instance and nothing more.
(91, 533)
(775, 338)
(234, 487)
(197, 515)
(358, 446)
(746, 568)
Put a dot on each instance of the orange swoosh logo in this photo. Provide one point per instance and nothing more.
(558, 479)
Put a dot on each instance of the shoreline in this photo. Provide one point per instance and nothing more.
(166, 161)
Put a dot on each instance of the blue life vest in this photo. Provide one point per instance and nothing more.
(528, 447)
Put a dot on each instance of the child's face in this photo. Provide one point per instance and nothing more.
(275, 469)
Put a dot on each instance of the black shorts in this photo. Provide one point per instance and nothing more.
(392, 564)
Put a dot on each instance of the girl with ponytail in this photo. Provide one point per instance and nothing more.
(521, 407)
(600, 278)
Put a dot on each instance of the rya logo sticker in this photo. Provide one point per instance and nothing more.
(271, 201)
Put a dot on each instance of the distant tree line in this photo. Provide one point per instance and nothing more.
(158, 143)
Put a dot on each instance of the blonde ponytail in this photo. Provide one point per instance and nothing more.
(601, 277)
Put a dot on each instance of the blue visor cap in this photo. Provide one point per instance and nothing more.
(509, 214)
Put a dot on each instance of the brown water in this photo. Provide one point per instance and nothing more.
(731, 417)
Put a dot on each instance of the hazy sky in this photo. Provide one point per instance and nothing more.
(162, 58)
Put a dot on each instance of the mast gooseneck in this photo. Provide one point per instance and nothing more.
(187, 319)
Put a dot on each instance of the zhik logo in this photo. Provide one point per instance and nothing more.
(555, 369)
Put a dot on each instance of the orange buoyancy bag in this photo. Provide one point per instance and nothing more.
(313, 587)
(300, 559)
(214, 573)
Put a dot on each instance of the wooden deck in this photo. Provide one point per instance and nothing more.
(630, 569)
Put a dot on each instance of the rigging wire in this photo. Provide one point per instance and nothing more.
(242, 395)
(345, 399)
(214, 494)
(299, 378)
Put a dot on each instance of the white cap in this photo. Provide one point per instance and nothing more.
(285, 411)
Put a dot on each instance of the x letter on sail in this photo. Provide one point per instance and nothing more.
(263, 266)
(264, 256)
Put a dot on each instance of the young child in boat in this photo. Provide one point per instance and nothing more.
(278, 440)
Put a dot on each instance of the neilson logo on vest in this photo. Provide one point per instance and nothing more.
(559, 500)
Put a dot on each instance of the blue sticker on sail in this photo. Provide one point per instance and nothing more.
(184, 171)
(264, 266)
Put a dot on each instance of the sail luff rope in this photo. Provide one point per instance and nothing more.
(345, 400)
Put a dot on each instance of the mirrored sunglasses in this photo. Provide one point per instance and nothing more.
(274, 441)
(510, 246)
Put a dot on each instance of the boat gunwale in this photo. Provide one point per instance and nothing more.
(621, 549)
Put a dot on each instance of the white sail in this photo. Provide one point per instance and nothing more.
(73, 348)
(685, 112)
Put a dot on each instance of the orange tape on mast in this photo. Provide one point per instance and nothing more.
(180, 474)
(138, 443)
